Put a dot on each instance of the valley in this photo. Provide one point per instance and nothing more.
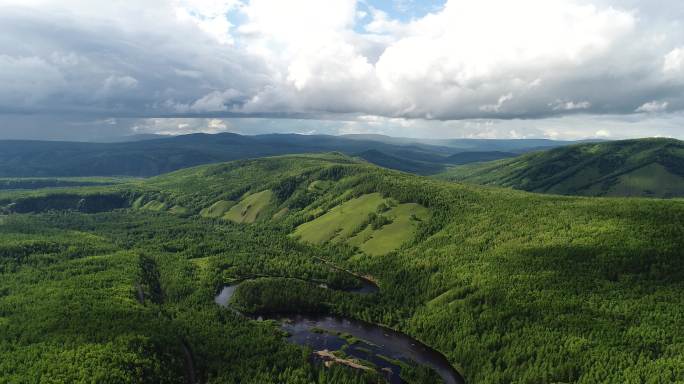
(508, 286)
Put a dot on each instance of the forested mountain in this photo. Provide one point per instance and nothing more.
(394, 162)
(143, 157)
(472, 145)
(643, 167)
(510, 286)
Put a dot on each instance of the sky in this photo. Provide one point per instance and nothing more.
(559, 69)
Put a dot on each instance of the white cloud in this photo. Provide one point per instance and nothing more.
(209, 15)
(381, 23)
(215, 101)
(674, 62)
(309, 45)
(301, 22)
(561, 105)
(653, 107)
(462, 56)
(467, 52)
(499, 104)
(602, 133)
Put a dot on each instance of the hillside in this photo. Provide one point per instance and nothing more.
(150, 155)
(644, 167)
(393, 162)
(478, 157)
(509, 286)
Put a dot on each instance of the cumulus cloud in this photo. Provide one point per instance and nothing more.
(468, 52)
(499, 104)
(470, 60)
(653, 106)
(555, 57)
(602, 133)
(561, 105)
(674, 62)
(215, 101)
(209, 15)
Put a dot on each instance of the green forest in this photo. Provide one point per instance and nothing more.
(116, 283)
(652, 167)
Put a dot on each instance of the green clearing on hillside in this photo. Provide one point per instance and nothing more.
(249, 208)
(154, 205)
(340, 222)
(405, 220)
(639, 182)
(138, 202)
(319, 185)
(352, 222)
(218, 209)
(179, 210)
(281, 213)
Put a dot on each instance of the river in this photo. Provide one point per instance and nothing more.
(379, 345)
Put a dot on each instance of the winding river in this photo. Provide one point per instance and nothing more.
(385, 348)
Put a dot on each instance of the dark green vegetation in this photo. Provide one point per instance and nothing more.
(160, 155)
(39, 183)
(644, 167)
(118, 297)
(510, 286)
(477, 157)
(407, 165)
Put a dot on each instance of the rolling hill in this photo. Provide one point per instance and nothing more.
(643, 167)
(478, 157)
(510, 286)
(146, 156)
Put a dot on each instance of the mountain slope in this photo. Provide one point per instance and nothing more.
(643, 167)
(393, 162)
(477, 157)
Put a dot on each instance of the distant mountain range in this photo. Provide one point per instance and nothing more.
(643, 167)
(511, 145)
(149, 155)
